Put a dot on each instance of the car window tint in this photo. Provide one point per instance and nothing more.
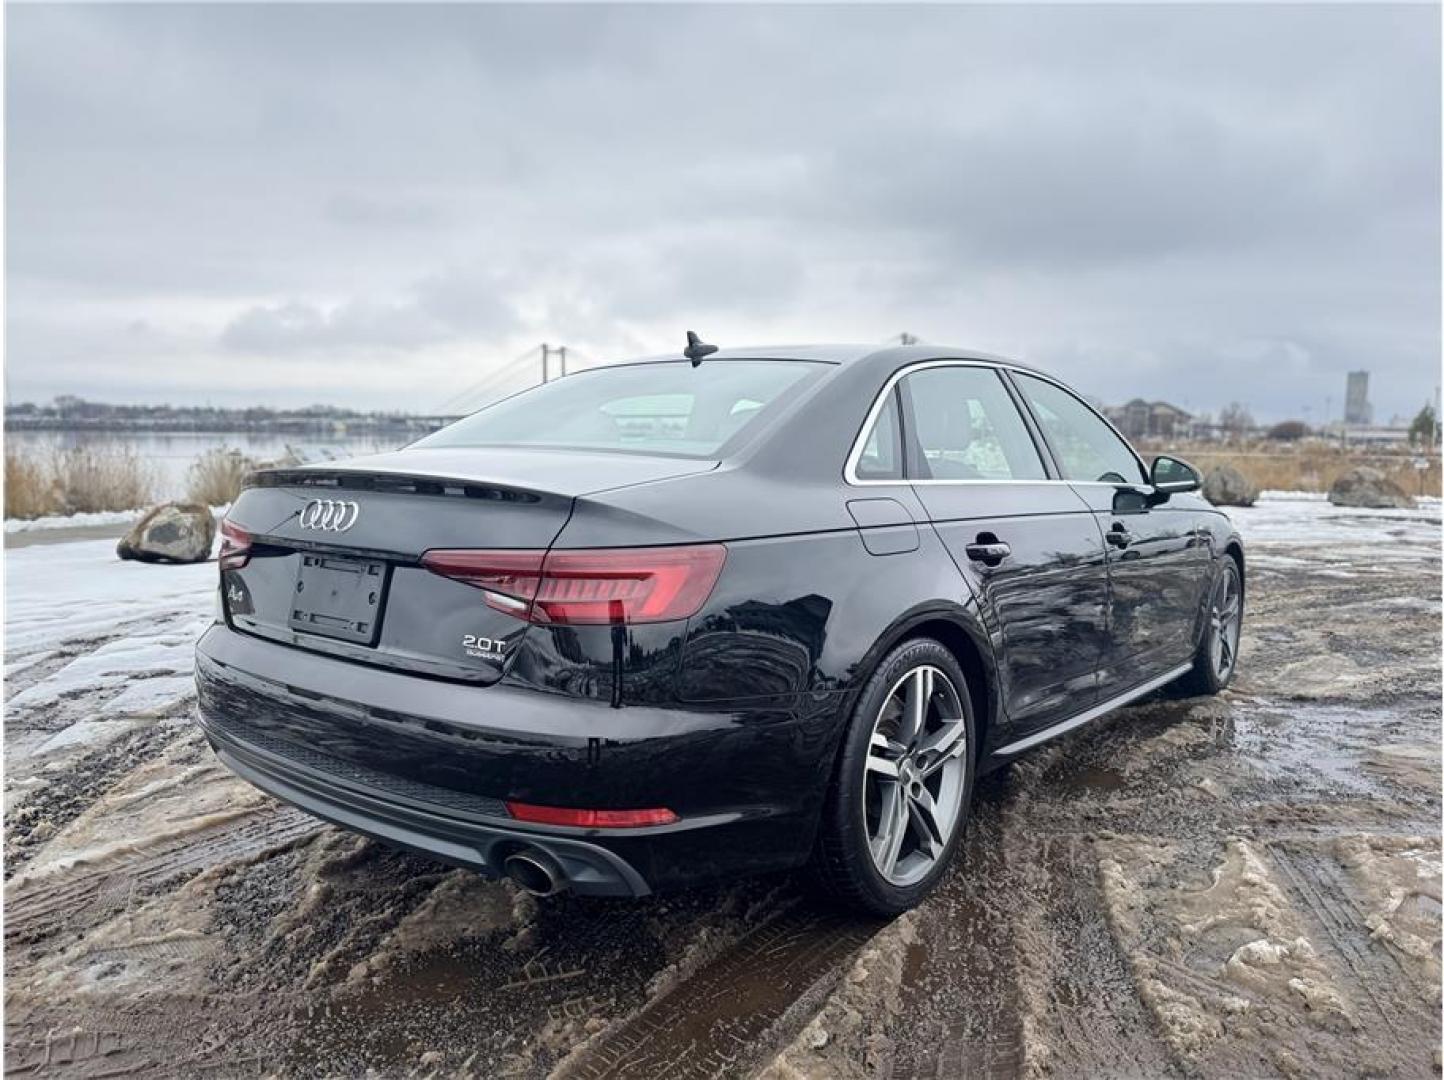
(1085, 446)
(668, 407)
(968, 427)
(881, 457)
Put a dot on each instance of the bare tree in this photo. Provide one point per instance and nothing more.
(1235, 419)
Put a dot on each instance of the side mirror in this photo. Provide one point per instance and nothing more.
(1169, 476)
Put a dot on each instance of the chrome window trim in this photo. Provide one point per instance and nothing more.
(849, 472)
(1142, 467)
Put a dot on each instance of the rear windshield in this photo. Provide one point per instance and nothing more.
(666, 408)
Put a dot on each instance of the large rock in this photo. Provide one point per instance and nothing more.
(1226, 486)
(170, 532)
(1364, 486)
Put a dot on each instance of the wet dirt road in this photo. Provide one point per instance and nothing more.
(1246, 885)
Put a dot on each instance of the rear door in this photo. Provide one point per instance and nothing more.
(1157, 558)
(1025, 542)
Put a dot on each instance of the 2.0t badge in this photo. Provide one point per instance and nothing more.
(329, 515)
(483, 648)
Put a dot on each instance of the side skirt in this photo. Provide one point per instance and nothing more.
(1092, 714)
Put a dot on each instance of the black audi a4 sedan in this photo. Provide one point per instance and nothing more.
(688, 618)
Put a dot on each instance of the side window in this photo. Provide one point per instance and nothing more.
(968, 427)
(1086, 447)
(882, 453)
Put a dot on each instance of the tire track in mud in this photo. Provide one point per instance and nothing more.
(522, 994)
(47, 810)
(961, 1004)
(33, 668)
(1097, 1024)
(76, 1051)
(1320, 890)
(1017, 968)
(104, 1043)
(65, 898)
(734, 1012)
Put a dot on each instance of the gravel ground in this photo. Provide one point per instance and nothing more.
(1240, 886)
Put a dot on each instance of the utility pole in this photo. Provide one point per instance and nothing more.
(546, 353)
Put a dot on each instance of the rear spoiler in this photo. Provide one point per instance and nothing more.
(387, 482)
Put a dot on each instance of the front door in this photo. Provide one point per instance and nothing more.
(1025, 542)
(1156, 559)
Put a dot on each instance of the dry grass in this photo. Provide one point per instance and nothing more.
(82, 479)
(29, 488)
(1306, 467)
(94, 478)
(215, 477)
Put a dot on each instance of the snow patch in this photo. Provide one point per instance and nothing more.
(84, 519)
(71, 521)
(84, 733)
(58, 593)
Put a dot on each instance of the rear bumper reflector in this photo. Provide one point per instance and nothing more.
(590, 819)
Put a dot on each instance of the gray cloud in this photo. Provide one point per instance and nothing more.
(443, 307)
(295, 325)
(1202, 203)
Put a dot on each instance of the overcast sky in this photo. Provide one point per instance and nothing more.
(379, 206)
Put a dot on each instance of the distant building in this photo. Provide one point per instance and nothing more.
(1357, 410)
(1376, 436)
(1141, 419)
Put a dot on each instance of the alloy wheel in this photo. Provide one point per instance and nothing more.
(916, 773)
(1224, 617)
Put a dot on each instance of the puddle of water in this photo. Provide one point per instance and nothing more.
(1091, 778)
(1320, 746)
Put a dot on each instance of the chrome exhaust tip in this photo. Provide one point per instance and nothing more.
(536, 872)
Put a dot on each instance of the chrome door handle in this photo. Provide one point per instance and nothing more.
(988, 554)
(1119, 536)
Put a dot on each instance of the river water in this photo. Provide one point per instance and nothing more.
(170, 454)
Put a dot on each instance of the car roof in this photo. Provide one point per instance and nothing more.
(883, 356)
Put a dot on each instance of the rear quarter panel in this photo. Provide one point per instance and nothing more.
(803, 611)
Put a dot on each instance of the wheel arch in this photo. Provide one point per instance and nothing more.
(958, 632)
(1234, 550)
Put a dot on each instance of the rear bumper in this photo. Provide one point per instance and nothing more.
(427, 765)
(477, 845)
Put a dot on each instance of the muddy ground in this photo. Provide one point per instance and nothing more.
(1240, 886)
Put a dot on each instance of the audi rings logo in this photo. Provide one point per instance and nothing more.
(329, 515)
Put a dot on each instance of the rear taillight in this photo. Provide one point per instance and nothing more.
(508, 579)
(590, 819)
(235, 546)
(636, 585)
(599, 587)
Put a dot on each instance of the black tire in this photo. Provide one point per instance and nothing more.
(1206, 678)
(843, 866)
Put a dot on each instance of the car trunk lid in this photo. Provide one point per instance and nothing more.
(334, 562)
